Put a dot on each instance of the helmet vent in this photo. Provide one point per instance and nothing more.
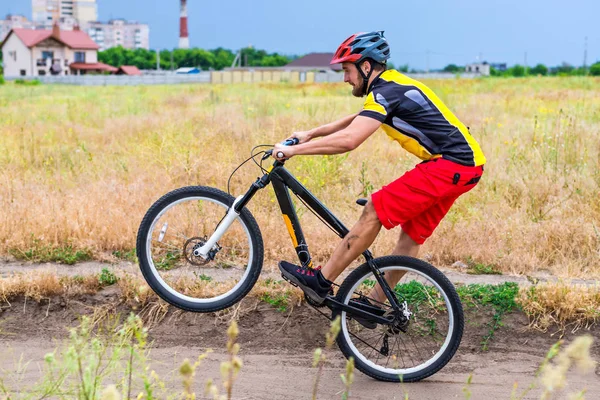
(381, 46)
(374, 39)
(358, 50)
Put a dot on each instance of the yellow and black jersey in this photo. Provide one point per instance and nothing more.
(417, 119)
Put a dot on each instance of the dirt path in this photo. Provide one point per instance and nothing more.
(277, 348)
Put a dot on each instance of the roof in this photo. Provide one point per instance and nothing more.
(74, 39)
(316, 60)
(187, 70)
(130, 70)
(93, 67)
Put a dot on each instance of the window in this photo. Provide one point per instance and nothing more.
(23, 72)
(66, 63)
(41, 72)
(47, 54)
(80, 56)
(13, 54)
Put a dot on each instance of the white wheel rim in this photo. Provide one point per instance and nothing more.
(168, 287)
(393, 371)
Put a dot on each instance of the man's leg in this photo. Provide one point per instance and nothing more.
(360, 237)
(405, 247)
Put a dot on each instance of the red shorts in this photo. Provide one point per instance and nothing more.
(420, 198)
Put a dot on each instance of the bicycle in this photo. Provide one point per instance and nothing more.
(201, 250)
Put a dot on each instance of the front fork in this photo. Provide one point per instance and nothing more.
(234, 211)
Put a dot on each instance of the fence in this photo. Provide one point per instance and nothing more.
(225, 77)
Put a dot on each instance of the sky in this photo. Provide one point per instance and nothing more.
(422, 34)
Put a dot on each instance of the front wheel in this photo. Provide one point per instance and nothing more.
(179, 223)
(426, 332)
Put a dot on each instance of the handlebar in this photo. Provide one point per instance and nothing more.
(287, 142)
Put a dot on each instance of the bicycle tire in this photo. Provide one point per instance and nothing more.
(440, 281)
(150, 272)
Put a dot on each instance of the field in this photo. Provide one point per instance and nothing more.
(80, 166)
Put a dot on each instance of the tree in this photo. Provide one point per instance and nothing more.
(453, 68)
(539, 69)
(595, 69)
(564, 69)
(403, 68)
(517, 71)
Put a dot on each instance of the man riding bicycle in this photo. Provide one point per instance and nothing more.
(411, 114)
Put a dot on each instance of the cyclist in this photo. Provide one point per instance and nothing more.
(411, 114)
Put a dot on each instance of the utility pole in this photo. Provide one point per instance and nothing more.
(172, 66)
(157, 59)
(585, 56)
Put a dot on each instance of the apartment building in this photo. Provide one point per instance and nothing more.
(48, 11)
(119, 32)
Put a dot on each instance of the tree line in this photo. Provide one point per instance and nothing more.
(215, 59)
(518, 70)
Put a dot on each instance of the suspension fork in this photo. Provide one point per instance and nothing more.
(233, 212)
(379, 276)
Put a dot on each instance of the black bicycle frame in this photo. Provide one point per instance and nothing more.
(283, 180)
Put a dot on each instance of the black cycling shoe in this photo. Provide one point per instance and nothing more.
(310, 280)
(365, 305)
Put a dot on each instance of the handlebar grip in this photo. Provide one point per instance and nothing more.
(291, 142)
(280, 154)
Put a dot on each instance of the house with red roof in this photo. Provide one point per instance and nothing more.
(38, 52)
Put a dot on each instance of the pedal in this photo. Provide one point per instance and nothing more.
(289, 281)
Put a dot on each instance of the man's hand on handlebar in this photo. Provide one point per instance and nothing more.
(283, 151)
(302, 136)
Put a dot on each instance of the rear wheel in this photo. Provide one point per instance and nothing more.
(182, 221)
(425, 334)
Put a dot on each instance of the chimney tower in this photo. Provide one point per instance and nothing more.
(184, 41)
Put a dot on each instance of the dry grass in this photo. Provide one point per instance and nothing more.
(80, 167)
(560, 305)
(46, 284)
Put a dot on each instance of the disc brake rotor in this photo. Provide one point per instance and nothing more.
(188, 250)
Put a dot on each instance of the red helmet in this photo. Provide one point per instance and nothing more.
(363, 45)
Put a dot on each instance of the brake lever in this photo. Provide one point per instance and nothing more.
(267, 154)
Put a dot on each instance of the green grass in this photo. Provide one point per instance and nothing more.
(40, 252)
(476, 268)
(279, 301)
(126, 255)
(501, 297)
(107, 278)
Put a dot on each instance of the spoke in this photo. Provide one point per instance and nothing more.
(407, 351)
(417, 347)
(167, 245)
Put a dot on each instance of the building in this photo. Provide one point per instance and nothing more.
(187, 70)
(499, 66)
(13, 21)
(314, 61)
(84, 13)
(36, 52)
(50, 11)
(118, 32)
(478, 68)
(128, 70)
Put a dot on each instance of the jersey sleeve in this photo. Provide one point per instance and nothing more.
(376, 106)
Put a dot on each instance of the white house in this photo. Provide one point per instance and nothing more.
(478, 68)
(33, 52)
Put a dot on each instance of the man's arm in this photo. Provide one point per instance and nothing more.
(324, 130)
(332, 127)
(342, 141)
